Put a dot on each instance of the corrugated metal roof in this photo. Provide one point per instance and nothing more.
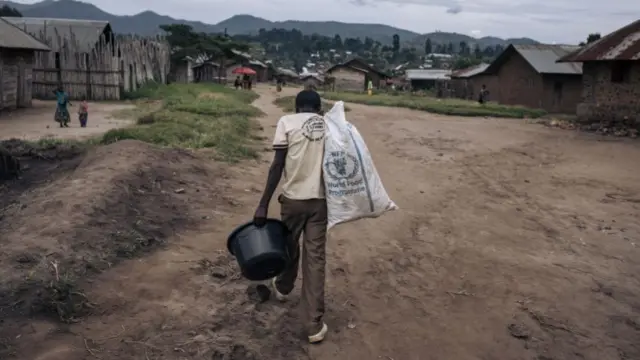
(470, 71)
(287, 72)
(55, 32)
(543, 58)
(11, 37)
(257, 63)
(622, 44)
(429, 74)
(362, 66)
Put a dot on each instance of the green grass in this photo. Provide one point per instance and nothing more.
(287, 103)
(439, 106)
(192, 116)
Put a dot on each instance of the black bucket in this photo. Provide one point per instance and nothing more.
(261, 252)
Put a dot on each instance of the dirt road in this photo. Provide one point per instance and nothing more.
(512, 241)
(37, 122)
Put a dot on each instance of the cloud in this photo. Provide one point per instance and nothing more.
(564, 21)
(454, 9)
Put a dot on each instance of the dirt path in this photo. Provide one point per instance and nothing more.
(513, 242)
(37, 122)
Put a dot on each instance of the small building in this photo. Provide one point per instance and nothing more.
(355, 74)
(183, 71)
(89, 61)
(529, 75)
(17, 50)
(466, 83)
(207, 71)
(79, 35)
(262, 75)
(312, 80)
(427, 79)
(287, 75)
(611, 77)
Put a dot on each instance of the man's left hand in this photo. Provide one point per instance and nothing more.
(260, 217)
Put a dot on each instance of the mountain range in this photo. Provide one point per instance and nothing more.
(148, 22)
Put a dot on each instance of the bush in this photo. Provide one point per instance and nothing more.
(438, 106)
(193, 116)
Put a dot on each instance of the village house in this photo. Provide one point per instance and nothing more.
(287, 75)
(312, 80)
(17, 50)
(427, 79)
(611, 77)
(529, 75)
(89, 61)
(207, 71)
(466, 83)
(81, 35)
(183, 72)
(354, 75)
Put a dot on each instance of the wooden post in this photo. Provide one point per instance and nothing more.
(121, 81)
(89, 90)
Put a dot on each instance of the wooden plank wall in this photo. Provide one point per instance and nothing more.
(112, 68)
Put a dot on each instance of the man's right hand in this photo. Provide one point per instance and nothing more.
(260, 217)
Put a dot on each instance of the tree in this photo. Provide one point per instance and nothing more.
(8, 11)
(337, 42)
(463, 49)
(396, 43)
(591, 38)
(450, 48)
(427, 46)
(463, 63)
(477, 52)
(489, 52)
(368, 43)
(184, 42)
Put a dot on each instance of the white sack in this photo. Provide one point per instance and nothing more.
(352, 185)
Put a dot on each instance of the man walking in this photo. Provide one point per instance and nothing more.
(299, 151)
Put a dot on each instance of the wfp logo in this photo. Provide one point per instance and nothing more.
(341, 166)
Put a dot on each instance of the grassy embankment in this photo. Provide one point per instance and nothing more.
(191, 116)
(457, 107)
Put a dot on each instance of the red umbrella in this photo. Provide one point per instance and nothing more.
(244, 71)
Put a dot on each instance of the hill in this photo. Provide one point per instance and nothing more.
(148, 22)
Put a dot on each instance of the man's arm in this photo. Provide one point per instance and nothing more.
(273, 178)
(280, 146)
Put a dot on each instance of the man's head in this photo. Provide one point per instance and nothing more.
(308, 101)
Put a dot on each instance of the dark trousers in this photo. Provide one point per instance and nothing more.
(309, 219)
(83, 119)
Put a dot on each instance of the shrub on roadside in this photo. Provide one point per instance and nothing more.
(193, 116)
(457, 107)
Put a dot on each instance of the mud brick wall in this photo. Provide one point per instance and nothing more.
(564, 99)
(606, 102)
(348, 79)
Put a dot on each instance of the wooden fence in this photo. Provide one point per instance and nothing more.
(114, 66)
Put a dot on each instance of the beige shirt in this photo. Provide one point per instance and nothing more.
(303, 136)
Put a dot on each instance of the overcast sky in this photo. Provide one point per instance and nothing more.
(561, 21)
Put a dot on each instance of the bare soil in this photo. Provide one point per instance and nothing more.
(513, 241)
(37, 122)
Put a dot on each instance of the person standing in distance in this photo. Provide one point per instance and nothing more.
(299, 151)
